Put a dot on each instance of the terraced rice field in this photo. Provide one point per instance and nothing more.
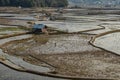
(69, 53)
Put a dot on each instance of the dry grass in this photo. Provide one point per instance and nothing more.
(41, 39)
(10, 29)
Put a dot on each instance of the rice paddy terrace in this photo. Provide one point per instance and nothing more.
(82, 47)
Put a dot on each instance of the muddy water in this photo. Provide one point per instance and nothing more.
(109, 26)
(9, 74)
(109, 42)
(8, 15)
(21, 63)
(2, 26)
(22, 18)
(70, 26)
(82, 23)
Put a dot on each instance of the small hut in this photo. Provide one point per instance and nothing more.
(37, 28)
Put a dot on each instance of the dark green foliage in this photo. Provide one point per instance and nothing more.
(34, 3)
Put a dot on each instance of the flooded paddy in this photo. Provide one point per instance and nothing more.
(71, 27)
(67, 54)
(107, 40)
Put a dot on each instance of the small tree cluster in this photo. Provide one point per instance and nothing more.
(34, 3)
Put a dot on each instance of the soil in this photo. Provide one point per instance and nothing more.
(92, 62)
(4, 21)
(68, 54)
